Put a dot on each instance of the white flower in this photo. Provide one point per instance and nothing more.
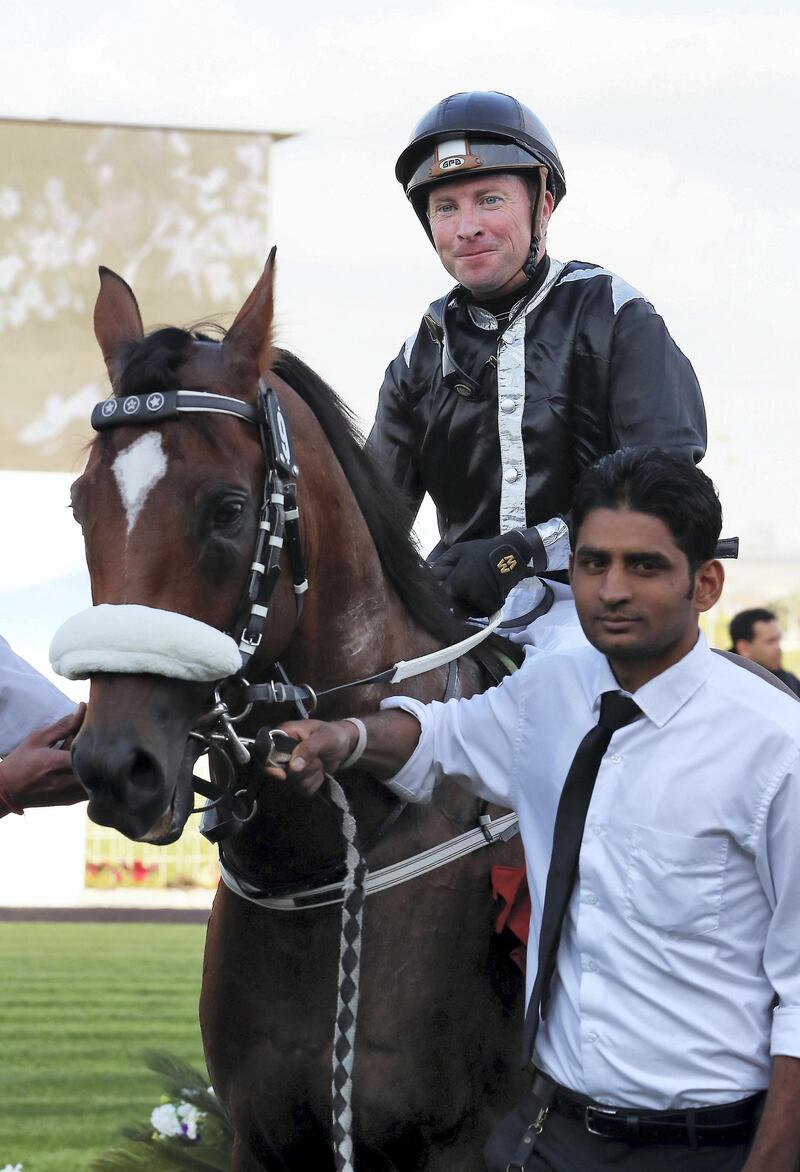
(182, 1120)
(165, 1121)
(190, 1117)
(12, 1168)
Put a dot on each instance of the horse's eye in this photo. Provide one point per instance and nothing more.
(228, 512)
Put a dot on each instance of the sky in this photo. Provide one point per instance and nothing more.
(674, 122)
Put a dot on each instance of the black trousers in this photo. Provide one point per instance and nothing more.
(565, 1145)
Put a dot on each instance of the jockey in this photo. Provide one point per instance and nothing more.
(526, 372)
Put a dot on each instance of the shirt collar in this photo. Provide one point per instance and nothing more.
(664, 695)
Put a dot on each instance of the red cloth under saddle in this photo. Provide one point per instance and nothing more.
(510, 884)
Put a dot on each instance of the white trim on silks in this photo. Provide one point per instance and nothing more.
(408, 347)
(621, 291)
(142, 640)
(510, 409)
(553, 273)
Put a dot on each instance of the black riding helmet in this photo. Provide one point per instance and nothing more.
(479, 131)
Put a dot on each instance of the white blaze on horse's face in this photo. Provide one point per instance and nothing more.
(137, 470)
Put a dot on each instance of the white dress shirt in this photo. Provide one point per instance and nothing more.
(558, 628)
(27, 700)
(684, 925)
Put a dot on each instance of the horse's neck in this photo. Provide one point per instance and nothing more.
(355, 626)
(354, 623)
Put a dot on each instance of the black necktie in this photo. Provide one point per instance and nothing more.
(615, 712)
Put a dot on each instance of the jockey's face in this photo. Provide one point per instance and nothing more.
(637, 599)
(482, 231)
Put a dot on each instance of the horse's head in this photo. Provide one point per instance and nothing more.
(170, 512)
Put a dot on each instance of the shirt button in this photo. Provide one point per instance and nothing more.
(596, 828)
(511, 474)
(591, 966)
(615, 757)
(591, 1037)
(592, 899)
(506, 404)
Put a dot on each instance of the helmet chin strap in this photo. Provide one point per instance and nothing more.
(529, 267)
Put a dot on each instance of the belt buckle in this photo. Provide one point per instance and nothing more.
(590, 1114)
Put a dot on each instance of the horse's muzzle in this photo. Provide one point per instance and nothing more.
(126, 784)
(134, 756)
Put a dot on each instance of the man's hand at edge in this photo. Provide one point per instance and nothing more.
(36, 773)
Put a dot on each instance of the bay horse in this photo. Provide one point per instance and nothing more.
(170, 517)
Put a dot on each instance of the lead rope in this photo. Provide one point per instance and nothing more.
(344, 1034)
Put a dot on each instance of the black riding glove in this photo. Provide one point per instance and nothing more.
(479, 574)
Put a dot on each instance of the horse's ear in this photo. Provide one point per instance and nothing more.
(117, 320)
(248, 343)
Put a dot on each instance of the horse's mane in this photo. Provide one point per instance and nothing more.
(385, 511)
(153, 364)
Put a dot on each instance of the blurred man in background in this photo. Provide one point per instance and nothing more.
(755, 634)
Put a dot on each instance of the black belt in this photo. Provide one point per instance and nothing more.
(730, 1123)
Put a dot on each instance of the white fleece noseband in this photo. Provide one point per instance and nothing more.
(142, 640)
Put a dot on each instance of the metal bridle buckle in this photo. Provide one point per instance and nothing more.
(248, 708)
(221, 713)
(252, 643)
(591, 1113)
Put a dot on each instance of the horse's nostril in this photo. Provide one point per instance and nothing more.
(145, 779)
(126, 784)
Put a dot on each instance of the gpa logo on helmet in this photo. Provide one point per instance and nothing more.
(451, 163)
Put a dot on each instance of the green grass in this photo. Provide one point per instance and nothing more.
(78, 1005)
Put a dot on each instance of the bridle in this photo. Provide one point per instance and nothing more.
(278, 521)
(278, 528)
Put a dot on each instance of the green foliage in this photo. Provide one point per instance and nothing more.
(145, 1149)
